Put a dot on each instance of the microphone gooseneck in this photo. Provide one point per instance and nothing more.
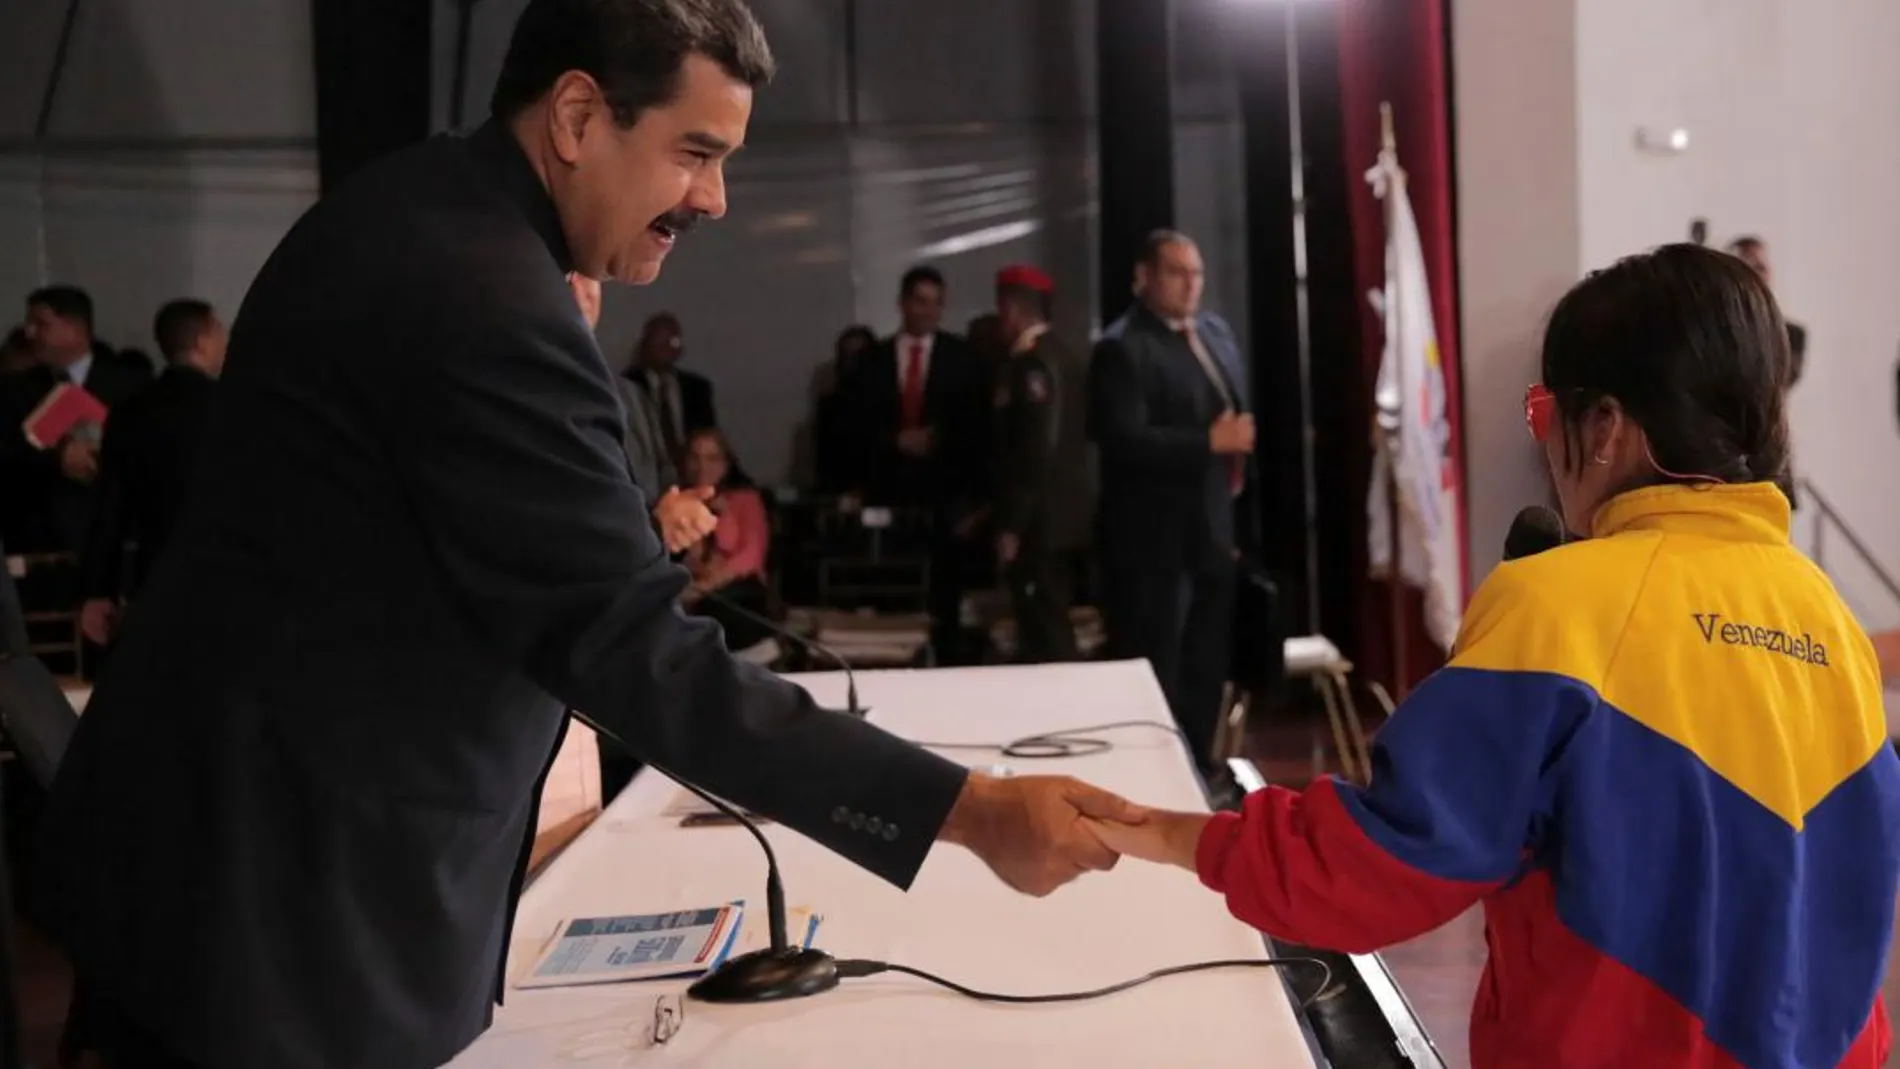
(850, 678)
(781, 970)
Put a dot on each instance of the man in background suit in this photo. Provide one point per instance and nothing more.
(921, 400)
(1169, 412)
(292, 825)
(683, 399)
(49, 493)
(920, 396)
(654, 471)
(147, 461)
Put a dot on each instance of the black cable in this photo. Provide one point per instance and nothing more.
(1067, 742)
(850, 969)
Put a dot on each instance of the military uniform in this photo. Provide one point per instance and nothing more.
(1028, 428)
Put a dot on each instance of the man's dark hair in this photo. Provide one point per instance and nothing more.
(1746, 243)
(66, 302)
(1157, 240)
(917, 276)
(178, 325)
(633, 48)
(1689, 342)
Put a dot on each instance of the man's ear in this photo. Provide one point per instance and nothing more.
(575, 105)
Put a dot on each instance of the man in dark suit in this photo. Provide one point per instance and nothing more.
(49, 493)
(147, 461)
(291, 827)
(920, 395)
(1169, 411)
(683, 399)
(924, 438)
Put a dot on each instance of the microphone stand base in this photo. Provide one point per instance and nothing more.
(768, 976)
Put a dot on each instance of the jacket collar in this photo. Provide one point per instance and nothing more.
(1740, 512)
(500, 155)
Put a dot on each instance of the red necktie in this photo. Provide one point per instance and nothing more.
(913, 397)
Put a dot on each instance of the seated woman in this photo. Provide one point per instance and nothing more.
(1658, 756)
(731, 564)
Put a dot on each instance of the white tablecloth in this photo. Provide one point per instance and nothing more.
(957, 921)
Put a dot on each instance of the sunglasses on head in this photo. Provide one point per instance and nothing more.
(1540, 411)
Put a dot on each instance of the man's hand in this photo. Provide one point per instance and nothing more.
(914, 442)
(1163, 837)
(1231, 433)
(99, 620)
(79, 461)
(684, 518)
(1035, 832)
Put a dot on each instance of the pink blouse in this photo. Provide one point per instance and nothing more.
(743, 535)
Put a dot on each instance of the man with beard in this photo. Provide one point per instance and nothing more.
(291, 827)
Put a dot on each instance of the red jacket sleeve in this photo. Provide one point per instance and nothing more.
(1460, 786)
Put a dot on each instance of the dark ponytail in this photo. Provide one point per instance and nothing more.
(1690, 343)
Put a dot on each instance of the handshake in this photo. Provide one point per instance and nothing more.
(1039, 832)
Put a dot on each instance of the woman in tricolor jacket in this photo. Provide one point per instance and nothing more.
(1658, 757)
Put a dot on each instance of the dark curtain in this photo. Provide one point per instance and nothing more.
(1395, 51)
(1134, 139)
(372, 66)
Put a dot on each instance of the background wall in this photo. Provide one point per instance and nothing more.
(899, 132)
(180, 147)
(1793, 113)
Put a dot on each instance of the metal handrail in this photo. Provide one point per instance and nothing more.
(1831, 514)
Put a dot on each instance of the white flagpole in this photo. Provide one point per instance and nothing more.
(1389, 440)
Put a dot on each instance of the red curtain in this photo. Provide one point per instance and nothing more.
(1393, 51)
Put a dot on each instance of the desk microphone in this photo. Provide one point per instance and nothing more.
(851, 706)
(1535, 530)
(780, 971)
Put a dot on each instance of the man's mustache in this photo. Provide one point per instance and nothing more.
(680, 220)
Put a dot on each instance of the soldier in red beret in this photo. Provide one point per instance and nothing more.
(1029, 429)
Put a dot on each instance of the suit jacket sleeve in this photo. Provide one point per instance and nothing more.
(506, 438)
(1118, 413)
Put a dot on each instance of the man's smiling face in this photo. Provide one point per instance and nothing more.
(626, 194)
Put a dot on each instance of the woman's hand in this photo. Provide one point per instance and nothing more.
(684, 518)
(1161, 836)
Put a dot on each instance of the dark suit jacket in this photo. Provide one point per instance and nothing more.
(1166, 498)
(40, 509)
(145, 466)
(697, 410)
(292, 824)
(955, 403)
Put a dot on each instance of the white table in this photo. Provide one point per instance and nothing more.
(957, 920)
